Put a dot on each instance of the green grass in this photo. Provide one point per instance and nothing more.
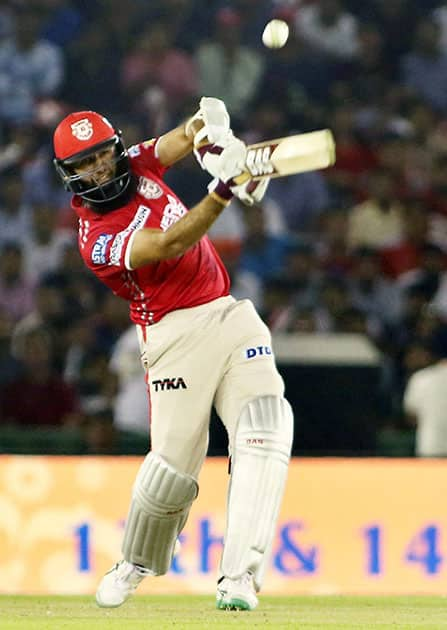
(158, 612)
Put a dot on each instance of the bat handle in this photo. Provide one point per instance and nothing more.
(242, 178)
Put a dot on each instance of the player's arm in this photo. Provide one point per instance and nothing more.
(152, 245)
(174, 145)
(210, 124)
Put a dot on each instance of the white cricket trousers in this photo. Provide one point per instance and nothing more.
(214, 354)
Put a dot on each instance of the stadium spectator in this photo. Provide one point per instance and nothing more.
(396, 20)
(64, 21)
(9, 365)
(154, 61)
(405, 255)
(93, 60)
(331, 305)
(50, 312)
(298, 77)
(425, 401)
(326, 26)
(297, 290)
(96, 384)
(302, 199)
(130, 405)
(376, 222)
(262, 253)
(227, 67)
(30, 68)
(16, 290)
(424, 68)
(38, 396)
(375, 296)
(44, 243)
(14, 214)
(332, 245)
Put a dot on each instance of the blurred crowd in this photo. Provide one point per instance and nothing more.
(358, 248)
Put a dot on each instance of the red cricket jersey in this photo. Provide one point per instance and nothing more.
(196, 277)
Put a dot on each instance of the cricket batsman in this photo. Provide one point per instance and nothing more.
(200, 347)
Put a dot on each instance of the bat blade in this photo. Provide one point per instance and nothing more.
(290, 155)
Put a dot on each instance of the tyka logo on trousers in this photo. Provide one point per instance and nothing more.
(164, 384)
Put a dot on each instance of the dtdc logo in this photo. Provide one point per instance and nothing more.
(257, 351)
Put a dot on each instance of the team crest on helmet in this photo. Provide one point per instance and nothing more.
(149, 189)
(82, 129)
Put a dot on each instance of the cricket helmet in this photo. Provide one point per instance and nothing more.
(80, 135)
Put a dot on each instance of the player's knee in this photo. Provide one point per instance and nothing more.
(160, 488)
(161, 499)
(265, 426)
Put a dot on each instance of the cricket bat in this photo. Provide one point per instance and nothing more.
(288, 156)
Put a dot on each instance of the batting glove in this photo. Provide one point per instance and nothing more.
(250, 193)
(228, 166)
(215, 124)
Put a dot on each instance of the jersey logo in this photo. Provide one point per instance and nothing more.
(134, 151)
(137, 223)
(257, 351)
(82, 129)
(172, 212)
(99, 249)
(149, 189)
(164, 384)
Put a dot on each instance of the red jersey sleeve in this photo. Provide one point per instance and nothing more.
(145, 155)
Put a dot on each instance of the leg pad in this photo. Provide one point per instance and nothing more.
(260, 458)
(161, 500)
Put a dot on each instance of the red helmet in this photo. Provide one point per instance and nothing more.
(80, 135)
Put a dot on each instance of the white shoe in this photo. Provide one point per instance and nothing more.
(236, 594)
(119, 583)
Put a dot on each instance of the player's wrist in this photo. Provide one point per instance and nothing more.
(220, 192)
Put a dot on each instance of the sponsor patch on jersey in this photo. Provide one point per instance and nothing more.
(134, 151)
(82, 129)
(172, 212)
(257, 351)
(137, 223)
(149, 189)
(99, 249)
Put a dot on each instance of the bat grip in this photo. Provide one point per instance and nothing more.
(242, 178)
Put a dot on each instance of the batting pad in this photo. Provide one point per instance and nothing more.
(161, 500)
(260, 459)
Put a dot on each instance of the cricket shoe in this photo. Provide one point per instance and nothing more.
(236, 594)
(119, 583)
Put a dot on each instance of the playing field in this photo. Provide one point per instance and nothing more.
(331, 613)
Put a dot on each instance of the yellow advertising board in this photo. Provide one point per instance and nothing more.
(346, 526)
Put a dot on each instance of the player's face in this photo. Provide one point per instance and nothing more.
(97, 168)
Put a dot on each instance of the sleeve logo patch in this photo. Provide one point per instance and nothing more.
(134, 151)
(100, 248)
